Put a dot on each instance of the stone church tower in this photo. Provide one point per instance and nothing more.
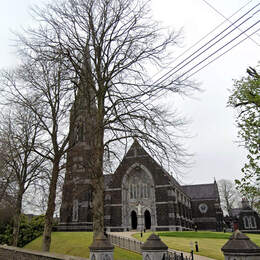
(76, 208)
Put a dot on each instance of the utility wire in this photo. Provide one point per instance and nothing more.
(149, 98)
(205, 36)
(227, 19)
(248, 36)
(158, 81)
(243, 32)
(203, 51)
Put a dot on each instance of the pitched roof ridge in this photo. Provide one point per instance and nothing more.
(198, 184)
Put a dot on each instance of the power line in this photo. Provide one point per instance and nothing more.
(227, 19)
(158, 81)
(211, 56)
(243, 32)
(223, 53)
(205, 36)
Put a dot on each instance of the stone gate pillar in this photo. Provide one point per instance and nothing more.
(154, 249)
(101, 249)
(240, 247)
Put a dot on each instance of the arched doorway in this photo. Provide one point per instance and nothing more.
(147, 219)
(134, 219)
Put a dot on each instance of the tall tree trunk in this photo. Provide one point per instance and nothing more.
(98, 205)
(98, 180)
(46, 242)
(17, 216)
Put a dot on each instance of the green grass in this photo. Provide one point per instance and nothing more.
(215, 235)
(210, 243)
(76, 244)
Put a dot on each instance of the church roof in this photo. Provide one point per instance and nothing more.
(201, 191)
(237, 211)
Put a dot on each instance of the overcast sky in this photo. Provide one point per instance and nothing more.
(216, 153)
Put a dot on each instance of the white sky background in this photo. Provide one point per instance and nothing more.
(213, 124)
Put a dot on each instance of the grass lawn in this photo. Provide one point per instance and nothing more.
(76, 244)
(210, 243)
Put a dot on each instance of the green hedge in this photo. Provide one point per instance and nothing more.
(30, 229)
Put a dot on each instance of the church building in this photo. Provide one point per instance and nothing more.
(140, 195)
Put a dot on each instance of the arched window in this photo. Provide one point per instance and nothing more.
(108, 197)
(139, 184)
(253, 222)
(75, 211)
(246, 222)
(131, 191)
(142, 190)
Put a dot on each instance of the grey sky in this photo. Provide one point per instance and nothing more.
(216, 153)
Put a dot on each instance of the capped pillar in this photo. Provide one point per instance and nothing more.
(240, 247)
(154, 249)
(101, 249)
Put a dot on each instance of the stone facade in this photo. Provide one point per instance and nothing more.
(206, 211)
(139, 195)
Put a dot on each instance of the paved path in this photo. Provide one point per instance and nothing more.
(130, 233)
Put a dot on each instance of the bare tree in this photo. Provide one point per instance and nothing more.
(108, 48)
(19, 131)
(41, 86)
(229, 196)
(36, 198)
(7, 177)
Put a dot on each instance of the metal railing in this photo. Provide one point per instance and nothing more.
(134, 245)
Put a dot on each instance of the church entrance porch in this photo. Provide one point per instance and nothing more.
(133, 220)
(147, 219)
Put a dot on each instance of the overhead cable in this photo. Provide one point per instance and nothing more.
(227, 19)
(158, 81)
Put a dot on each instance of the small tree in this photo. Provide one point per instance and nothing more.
(229, 196)
(19, 131)
(40, 86)
(7, 177)
(245, 99)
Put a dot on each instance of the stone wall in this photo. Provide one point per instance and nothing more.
(16, 253)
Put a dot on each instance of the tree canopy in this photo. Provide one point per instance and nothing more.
(245, 99)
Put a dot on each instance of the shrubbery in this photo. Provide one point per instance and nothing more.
(30, 229)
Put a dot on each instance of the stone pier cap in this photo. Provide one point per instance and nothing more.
(239, 243)
(154, 243)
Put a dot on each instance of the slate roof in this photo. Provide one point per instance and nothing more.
(235, 212)
(201, 191)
